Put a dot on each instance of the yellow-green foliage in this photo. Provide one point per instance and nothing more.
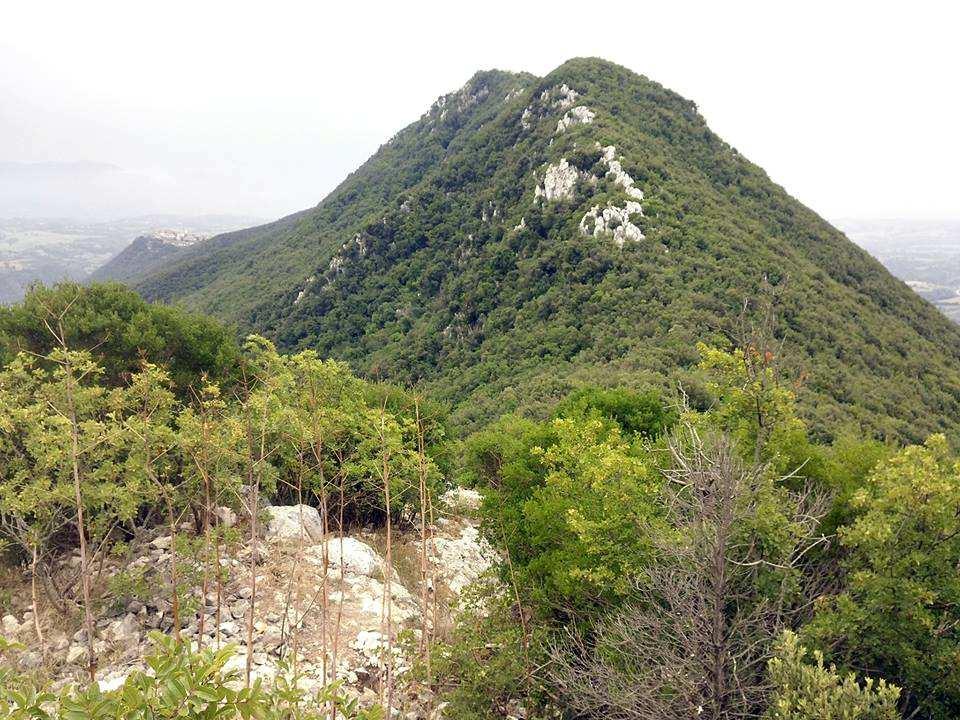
(900, 609)
(139, 446)
(813, 691)
(182, 684)
(594, 519)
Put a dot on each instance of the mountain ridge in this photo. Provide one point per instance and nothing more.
(477, 253)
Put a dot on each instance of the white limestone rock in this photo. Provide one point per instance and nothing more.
(113, 681)
(614, 220)
(10, 625)
(616, 172)
(291, 522)
(460, 560)
(526, 119)
(162, 543)
(226, 516)
(303, 290)
(564, 97)
(462, 500)
(578, 115)
(125, 631)
(357, 557)
(516, 92)
(559, 97)
(559, 182)
(76, 655)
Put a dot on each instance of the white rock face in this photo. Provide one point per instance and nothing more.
(162, 543)
(516, 92)
(357, 558)
(76, 654)
(11, 625)
(564, 97)
(303, 291)
(615, 220)
(225, 516)
(289, 522)
(616, 172)
(112, 682)
(526, 120)
(123, 631)
(578, 115)
(559, 182)
(559, 97)
(462, 500)
(460, 560)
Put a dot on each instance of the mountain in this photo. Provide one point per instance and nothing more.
(527, 235)
(145, 253)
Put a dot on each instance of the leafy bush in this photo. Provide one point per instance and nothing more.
(181, 683)
(487, 667)
(570, 503)
(898, 611)
(805, 691)
(636, 413)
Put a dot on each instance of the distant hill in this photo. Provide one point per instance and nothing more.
(144, 254)
(48, 250)
(527, 235)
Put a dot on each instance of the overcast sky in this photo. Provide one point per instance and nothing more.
(262, 108)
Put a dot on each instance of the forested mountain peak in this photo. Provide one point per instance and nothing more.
(529, 235)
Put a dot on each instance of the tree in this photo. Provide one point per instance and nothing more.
(119, 329)
(899, 613)
(636, 413)
(63, 453)
(594, 521)
(694, 639)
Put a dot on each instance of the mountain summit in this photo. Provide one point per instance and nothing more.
(527, 235)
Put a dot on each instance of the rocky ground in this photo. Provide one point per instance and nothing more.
(332, 603)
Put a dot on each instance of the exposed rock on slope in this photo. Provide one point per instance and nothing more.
(325, 597)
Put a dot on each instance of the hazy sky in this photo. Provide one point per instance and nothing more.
(262, 108)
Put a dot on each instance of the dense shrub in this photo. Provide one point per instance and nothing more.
(805, 691)
(181, 683)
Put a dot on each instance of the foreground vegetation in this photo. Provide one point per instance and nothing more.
(657, 560)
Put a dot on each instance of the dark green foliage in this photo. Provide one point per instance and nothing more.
(121, 330)
(636, 413)
(419, 274)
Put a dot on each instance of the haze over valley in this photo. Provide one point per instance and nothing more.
(51, 250)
